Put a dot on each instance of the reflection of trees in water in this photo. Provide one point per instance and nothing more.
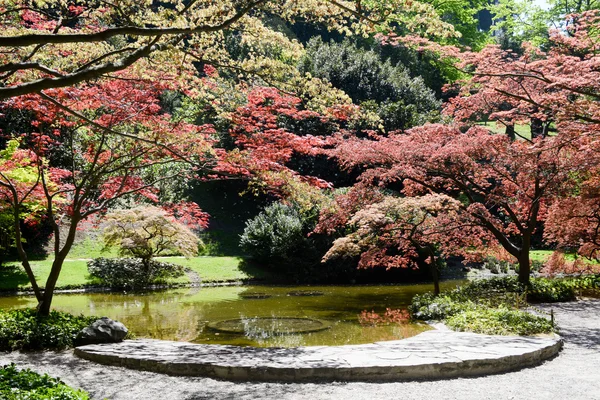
(182, 314)
(12, 302)
(179, 322)
(134, 300)
(171, 315)
(188, 324)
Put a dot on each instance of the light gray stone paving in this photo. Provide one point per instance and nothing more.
(430, 355)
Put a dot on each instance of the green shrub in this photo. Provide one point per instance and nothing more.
(585, 282)
(551, 290)
(540, 290)
(499, 321)
(132, 273)
(280, 240)
(26, 384)
(427, 306)
(24, 330)
(491, 306)
(481, 287)
(497, 266)
(274, 234)
(536, 265)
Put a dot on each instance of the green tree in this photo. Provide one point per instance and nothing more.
(146, 232)
(401, 101)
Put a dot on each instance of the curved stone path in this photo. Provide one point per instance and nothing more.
(430, 355)
(573, 374)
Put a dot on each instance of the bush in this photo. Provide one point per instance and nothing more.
(24, 330)
(278, 239)
(132, 273)
(585, 282)
(551, 290)
(427, 306)
(491, 306)
(499, 321)
(541, 290)
(26, 384)
(497, 266)
(274, 234)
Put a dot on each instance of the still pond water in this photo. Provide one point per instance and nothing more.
(262, 316)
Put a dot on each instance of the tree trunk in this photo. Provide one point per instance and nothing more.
(435, 274)
(510, 132)
(524, 267)
(435, 271)
(43, 308)
(23, 255)
(537, 128)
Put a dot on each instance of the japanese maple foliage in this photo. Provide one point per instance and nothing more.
(273, 127)
(556, 89)
(400, 231)
(47, 45)
(114, 141)
(503, 186)
(574, 222)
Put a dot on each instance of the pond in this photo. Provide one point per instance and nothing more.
(263, 316)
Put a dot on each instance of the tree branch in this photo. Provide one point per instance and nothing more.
(28, 40)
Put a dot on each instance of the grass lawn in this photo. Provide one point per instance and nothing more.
(216, 269)
(540, 255)
(521, 130)
(210, 269)
(75, 274)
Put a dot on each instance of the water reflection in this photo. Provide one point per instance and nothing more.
(184, 314)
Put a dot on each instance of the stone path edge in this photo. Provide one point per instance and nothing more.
(464, 355)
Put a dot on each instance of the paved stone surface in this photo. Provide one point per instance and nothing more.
(430, 355)
(572, 375)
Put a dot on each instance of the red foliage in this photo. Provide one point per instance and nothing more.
(371, 318)
(504, 186)
(558, 264)
(113, 140)
(508, 187)
(188, 213)
(268, 131)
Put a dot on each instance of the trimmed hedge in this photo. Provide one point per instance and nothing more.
(26, 384)
(24, 330)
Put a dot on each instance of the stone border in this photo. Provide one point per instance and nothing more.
(429, 355)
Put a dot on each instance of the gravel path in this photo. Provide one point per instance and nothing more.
(574, 374)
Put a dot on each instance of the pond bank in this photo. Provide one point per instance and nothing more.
(436, 354)
(571, 375)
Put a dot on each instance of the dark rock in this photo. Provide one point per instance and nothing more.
(103, 330)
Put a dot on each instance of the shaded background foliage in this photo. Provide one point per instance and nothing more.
(401, 100)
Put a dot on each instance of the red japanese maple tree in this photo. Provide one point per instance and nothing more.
(271, 128)
(506, 186)
(114, 141)
(402, 231)
(503, 187)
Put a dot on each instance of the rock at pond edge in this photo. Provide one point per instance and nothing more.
(103, 330)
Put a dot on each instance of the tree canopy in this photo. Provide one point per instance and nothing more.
(108, 103)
